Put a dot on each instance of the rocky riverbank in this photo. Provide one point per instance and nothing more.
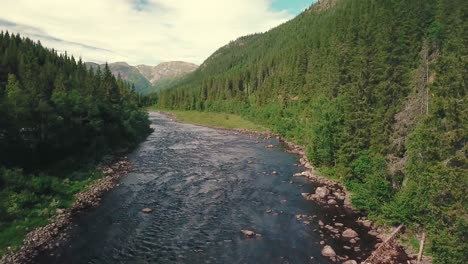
(54, 234)
(331, 193)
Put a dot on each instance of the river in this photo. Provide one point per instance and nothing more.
(205, 185)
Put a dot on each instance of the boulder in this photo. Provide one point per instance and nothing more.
(147, 210)
(349, 233)
(350, 262)
(366, 223)
(328, 251)
(322, 192)
(248, 233)
(331, 202)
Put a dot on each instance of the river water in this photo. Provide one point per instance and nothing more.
(204, 186)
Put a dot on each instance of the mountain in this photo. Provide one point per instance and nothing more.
(166, 71)
(127, 72)
(148, 79)
(376, 91)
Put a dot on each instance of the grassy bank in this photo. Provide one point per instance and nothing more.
(219, 120)
(28, 201)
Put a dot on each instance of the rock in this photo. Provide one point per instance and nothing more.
(373, 233)
(331, 202)
(274, 173)
(366, 223)
(59, 211)
(322, 243)
(320, 223)
(339, 196)
(347, 247)
(322, 192)
(328, 251)
(353, 241)
(308, 166)
(248, 233)
(147, 210)
(350, 262)
(268, 211)
(270, 146)
(339, 224)
(349, 233)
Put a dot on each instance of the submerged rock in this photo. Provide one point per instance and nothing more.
(147, 210)
(248, 233)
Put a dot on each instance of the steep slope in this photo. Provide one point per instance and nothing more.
(166, 72)
(377, 92)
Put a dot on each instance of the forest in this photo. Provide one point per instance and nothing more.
(57, 120)
(376, 91)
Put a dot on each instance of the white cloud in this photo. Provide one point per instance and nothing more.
(138, 31)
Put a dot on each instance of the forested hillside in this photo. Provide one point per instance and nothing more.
(56, 118)
(128, 73)
(376, 90)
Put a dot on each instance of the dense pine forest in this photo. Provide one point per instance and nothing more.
(377, 92)
(57, 118)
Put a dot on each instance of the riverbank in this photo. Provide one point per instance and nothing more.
(54, 233)
(215, 120)
(330, 193)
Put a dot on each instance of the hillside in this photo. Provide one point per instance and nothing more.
(376, 90)
(148, 79)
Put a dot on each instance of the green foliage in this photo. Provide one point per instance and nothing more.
(368, 183)
(335, 81)
(56, 117)
(54, 112)
(27, 201)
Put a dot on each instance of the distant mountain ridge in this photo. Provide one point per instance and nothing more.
(148, 79)
(166, 70)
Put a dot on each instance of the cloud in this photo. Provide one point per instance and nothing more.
(139, 31)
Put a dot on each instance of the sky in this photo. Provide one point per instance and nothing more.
(143, 31)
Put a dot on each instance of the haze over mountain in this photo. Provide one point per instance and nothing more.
(166, 70)
(146, 78)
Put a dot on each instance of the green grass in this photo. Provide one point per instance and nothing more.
(218, 120)
(28, 201)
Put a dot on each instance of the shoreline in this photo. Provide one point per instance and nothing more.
(323, 194)
(51, 236)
